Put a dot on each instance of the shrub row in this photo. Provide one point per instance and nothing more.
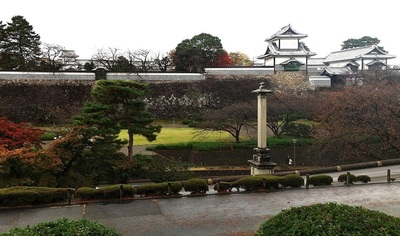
(22, 195)
(322, 180)
(353, 178)
(108, 192)
(155, 189)
(18, 196)
(152, 189)
(260, 182)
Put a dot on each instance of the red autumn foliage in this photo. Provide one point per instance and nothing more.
(223, 60)
(28, 166)
(14, 135)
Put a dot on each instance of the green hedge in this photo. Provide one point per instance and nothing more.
(320, 180)
(156, 189)
(223, 187)
(363, 178)
(196, 186)
(107, 192)
(249, 183)
(259, 182)
(292, 180)
(22, 195)
(88, 193)
(64, 227)
(113, 191)
(329, 219)
(343, 178)
(272, 181)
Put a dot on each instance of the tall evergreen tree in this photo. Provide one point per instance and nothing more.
(120, 104)
(21, 45)
(193, 55)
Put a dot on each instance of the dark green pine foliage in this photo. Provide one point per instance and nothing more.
(20, 45)
(118, 104)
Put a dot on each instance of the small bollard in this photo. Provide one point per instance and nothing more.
(264, 183)
(348, 179)
(69, 195)
(218, 185)
(121, 192)
(307, 180)
(169, 189)
(388, 176)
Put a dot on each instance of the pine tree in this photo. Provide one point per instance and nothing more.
(120, 104)
(21, 45)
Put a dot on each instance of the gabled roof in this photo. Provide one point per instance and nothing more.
(337, 71)
(69, 53)
(376, 62)
(366, 52)
(317, 61)
(274, 51)
(286, 32)
(292, 59)
(353, 63)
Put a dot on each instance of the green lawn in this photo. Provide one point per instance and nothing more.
(171, 135)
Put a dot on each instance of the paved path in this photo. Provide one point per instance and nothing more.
(234, 214)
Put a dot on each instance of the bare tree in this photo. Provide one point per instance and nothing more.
(163, 61)
(231, 119)
(285, 107)
(141, 58)
(52, 56)
(107, 58)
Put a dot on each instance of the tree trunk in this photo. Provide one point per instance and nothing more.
(130, 143)
(237, 136)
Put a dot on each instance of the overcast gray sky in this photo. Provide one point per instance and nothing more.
(159, 25)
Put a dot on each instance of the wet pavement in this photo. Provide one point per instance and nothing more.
(215, 214)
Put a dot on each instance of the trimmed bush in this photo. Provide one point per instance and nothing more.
(363, 178)
(87, 193)
(330, 219)
(22, 195)
(157, 189)
(343, 178)
(152, 189)
(223, 187)
(107, 192)
(176, 187)
(272, 181)
(320, 180)
(249, 183)
(113, 191)
(196, 186)
(64, 227)
(292, 180)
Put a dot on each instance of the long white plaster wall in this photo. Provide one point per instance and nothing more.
(15, 75)
(240, 71)
(19, 75)
(156, 76)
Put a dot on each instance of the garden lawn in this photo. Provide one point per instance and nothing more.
(171, 135)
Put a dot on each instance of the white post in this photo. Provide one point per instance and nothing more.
(261, 163)
(262, 121)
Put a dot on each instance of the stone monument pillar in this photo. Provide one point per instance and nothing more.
(261, 162)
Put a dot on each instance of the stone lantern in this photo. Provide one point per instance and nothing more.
(261, 162)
